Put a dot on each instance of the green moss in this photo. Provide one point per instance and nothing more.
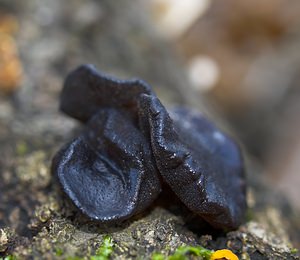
(182, 253)
(250, 215)
(74, 258)
(21, 148)
(158, 256)
(59, 251)
(105, 250)
(294, 250)
(10, 257)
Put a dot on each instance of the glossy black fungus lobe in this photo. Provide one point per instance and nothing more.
(131, 143)
(86, 91)
(201, 164)
(108, 171)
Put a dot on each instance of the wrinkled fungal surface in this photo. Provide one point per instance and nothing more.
(86, 90)
(199, 162)
(108, 172)
(131, 143)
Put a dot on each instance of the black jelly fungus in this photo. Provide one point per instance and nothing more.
(86, 90)
(201, 164)
(108, 171)
(131, 143)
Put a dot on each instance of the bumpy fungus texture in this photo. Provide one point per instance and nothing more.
(131, 143)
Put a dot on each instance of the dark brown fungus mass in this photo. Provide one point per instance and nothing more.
(131, 143)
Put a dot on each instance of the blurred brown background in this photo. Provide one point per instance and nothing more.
(244, 56)
(241, 56)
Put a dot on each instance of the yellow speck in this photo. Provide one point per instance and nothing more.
(223, 254)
